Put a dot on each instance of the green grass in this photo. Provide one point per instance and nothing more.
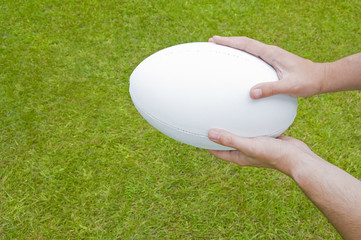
(78, 162)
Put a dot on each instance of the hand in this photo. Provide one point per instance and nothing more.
(298, 77)
(336, 193)
(284, 153)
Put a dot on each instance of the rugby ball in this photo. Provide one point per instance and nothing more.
(188, 89)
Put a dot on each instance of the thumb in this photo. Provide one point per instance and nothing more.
(268, 89)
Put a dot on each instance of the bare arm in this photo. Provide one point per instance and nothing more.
(298, 76)
(336, 193)
(343, 74)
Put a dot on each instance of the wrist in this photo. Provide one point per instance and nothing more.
(327, 77)
(306, 168)
(315, 79)
(342, 75)
(299, 165)
(291, 165)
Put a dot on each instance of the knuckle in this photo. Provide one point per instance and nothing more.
(269, 89)
(271, 52)
(272, 89)
(226, 140)
(244, 43)
(244, 39)
(253, 148)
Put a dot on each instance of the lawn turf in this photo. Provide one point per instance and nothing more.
(77, 161)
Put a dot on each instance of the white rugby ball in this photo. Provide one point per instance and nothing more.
(188, 89)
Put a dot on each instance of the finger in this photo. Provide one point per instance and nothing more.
(227, 155)
(232, 156)
(223, 137)
(270, 88)
(267, 52)
(246, 145)
(242, 43)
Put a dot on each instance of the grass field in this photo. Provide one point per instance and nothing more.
(77, 161)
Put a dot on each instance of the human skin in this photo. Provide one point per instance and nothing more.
(336, 193)
(298, 77)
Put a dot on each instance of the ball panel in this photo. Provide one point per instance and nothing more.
(196, 140)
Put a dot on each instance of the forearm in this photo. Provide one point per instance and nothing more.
(343, 74)
(336, 193)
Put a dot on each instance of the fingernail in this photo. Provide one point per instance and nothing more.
(257, 93)
(214, 135)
